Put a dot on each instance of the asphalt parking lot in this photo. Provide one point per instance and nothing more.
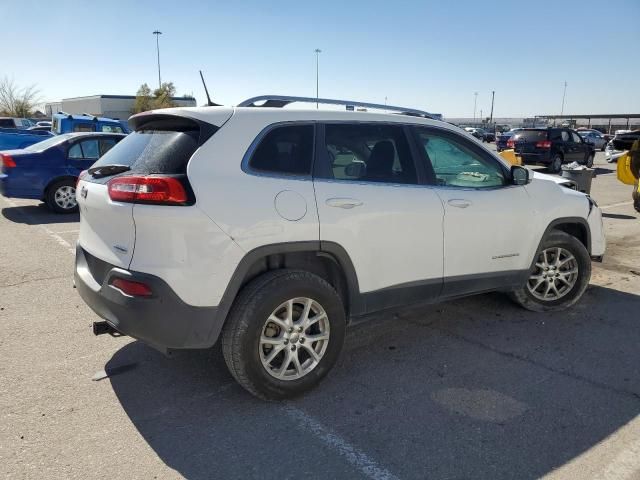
(474, 388)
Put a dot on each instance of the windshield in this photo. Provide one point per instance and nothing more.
(42, 146)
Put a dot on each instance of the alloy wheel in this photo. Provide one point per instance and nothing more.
(294, 339)
(555, 274)
(65, 197)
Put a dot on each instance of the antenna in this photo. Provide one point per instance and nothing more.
(209, 102)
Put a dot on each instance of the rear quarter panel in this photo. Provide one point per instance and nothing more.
(33, 172)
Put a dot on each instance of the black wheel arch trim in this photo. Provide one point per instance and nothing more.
(564, 221)
(325, 249)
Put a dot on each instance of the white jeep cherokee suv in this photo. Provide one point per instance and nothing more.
(272, 228)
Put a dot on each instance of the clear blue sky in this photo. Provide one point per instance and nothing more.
(430, 55)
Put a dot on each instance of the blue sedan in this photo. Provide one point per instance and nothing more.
(49, 170)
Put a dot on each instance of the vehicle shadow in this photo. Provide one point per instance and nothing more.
(475, 388)
(37, 215)
(618, 216)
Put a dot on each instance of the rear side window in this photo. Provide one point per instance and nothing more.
(285, 150)
(369, 153)
(7, 123)
(154, 150)
(84, 127)
(530, 135)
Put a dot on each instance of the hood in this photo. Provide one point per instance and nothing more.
(551, 178)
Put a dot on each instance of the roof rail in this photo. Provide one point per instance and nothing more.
(279, 101)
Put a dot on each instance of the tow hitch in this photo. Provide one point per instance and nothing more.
(102, 328)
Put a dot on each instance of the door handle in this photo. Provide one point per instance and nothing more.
(343, 202)
(459, 203)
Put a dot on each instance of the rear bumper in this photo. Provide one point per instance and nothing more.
(163, 320)
(534, 158)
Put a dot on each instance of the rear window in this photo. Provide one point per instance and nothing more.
(530, 135)
(153, 151)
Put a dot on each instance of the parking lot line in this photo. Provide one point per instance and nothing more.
(355, 457)
(48, 231)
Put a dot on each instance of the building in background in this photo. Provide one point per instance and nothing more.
(111, 106)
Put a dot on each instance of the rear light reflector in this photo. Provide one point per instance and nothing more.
(7, 160)
(80, 177)
(129, 287)
(156, 190)
(543, 144)
(510, 144)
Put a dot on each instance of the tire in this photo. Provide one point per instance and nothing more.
(556, 164)
(248, 357)
(61, 196)
(573, 288)
(589, 162)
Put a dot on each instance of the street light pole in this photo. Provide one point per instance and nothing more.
(564, 93)
(493, 96)
(157, 33)
(318, 52)
(475, 102)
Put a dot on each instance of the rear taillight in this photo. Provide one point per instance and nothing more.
(543, 144)
(7, 160)
(134, 289)
(511, 144)
(156, 190)
(80, 177)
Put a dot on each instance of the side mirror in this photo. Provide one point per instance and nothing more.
(356, 170)
(520, 175)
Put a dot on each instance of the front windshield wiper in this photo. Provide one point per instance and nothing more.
(107, 170)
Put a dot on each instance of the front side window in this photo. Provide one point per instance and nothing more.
(285, 150)
(90, 149)
(106, 144)
(370, 153)
(86, 149)
(456, 164)
(576, 137)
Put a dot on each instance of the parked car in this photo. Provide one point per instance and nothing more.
(49, 170)
(66, 123)
(12, 138)
(16, 123)
(620, 144)
(270, 229)
(39, 128)
(551, 147)
(502, 139)
(489, 136)
(476, 132)
(594, 137)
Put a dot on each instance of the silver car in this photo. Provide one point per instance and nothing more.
(593, 137)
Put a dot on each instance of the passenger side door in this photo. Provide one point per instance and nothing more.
(486, 230)
(371, 203)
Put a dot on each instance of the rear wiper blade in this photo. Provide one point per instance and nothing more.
(106, 170)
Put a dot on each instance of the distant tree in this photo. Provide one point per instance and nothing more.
(162, 96)
(144, 101)
(16, 101)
